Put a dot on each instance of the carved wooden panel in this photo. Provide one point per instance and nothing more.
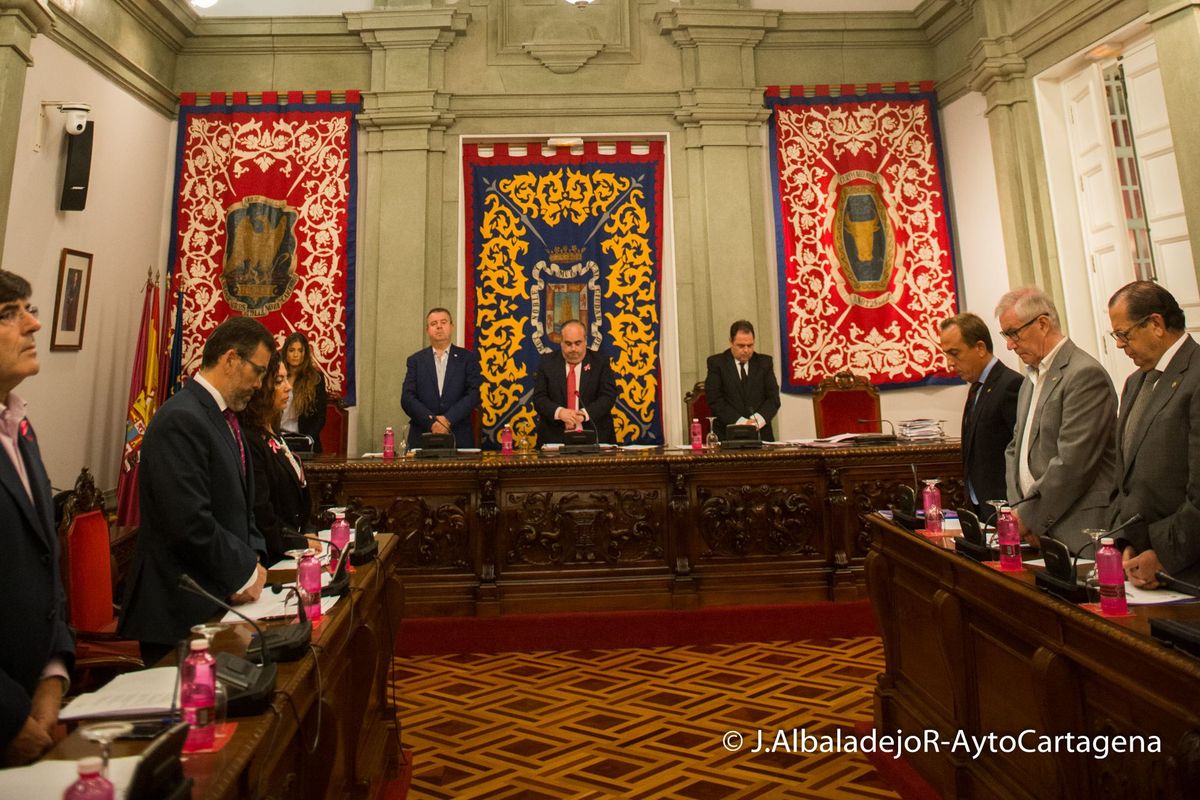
(762, 519)
(582, 528)
(434, 532)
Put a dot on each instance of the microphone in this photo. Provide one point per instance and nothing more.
(1121, 527)
(250, 687)
(291, 589)
(1177, 585)
(285, 642)
(876, 438)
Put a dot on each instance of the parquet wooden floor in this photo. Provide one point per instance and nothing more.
(637, 723)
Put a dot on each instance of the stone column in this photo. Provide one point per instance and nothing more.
(404, 119)
(724, 274)
(1176, 25)
(20, 21)
(1029, 243)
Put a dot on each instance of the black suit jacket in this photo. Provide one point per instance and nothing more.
(196, 518)
(282, 504)
(459, 396)
(731, 400)
(597, 392)
(986, 431)
(33, 626)
(1160, 476)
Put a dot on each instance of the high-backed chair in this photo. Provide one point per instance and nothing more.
(337, 428)
(841, 401)
(87, 574)
(696, 407)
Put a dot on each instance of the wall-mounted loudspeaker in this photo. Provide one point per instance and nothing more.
(79, 166)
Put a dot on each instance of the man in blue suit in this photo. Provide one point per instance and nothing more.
(197, 496)
(36, 647)
(441, 385)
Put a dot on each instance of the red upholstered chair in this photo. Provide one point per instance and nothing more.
(87, 575)
(841, 401)
(696, 407)
(337, 429)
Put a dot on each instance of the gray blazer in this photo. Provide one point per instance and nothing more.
(1072, 449)
(1160, 475)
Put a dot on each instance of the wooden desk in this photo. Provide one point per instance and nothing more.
(972, 649)
(490, 534)
(347, 678)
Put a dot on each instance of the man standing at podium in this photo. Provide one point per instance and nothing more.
(740, 386)
(441, 385)
(1158, 436)
(574, 389)
(990, 412)
(1061, 461)
(197, 496)
(36, 647)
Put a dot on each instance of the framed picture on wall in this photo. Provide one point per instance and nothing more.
(70, 304)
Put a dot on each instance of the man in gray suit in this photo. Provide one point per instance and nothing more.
(1158, 436)
(1061, 461)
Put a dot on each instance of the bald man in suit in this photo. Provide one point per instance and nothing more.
(574, 389)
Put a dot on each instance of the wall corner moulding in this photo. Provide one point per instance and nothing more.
(564, 49)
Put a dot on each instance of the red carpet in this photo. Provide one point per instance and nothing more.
(897, 773)
(616, 629)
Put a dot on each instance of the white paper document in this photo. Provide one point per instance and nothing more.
(1153, 597)
(49, 779)
(274, 606)
(148, 691)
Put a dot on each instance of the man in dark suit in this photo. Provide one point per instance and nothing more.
(1158, 436)
(197, 496)
(741, 386)
(990, 413)
(574, 389)
(1061, 463)
(441, 385)
(36, 647)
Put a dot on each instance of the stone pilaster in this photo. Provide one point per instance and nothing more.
(404, 119)
(724, 271)
(20, 21)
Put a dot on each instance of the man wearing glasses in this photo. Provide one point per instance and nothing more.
(197, 496)
(1158, 436)
(1060, 463)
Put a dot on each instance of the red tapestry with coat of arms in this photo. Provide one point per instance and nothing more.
(264, 224)
(863, 236)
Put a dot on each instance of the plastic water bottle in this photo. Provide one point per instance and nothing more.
(1111, 574)
(932, 499)
(91, 784)
(697, 435)
(198, 697)
(506, 440)
(1008, 536)
(339, 532)
(389, 444)
(308, 575)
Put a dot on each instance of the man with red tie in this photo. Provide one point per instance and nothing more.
(574, 389)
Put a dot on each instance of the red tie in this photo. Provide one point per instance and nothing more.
(572, 391)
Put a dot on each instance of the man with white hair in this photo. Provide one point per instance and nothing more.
(1061, 463)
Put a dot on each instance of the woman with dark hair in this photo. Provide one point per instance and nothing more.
(282, 507)
(305, 412)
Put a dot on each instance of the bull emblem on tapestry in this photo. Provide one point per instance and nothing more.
(863, 238)
(260, 255)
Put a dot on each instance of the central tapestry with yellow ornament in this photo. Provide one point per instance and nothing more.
(554, 235)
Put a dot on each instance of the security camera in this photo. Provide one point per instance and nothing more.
(76, 117)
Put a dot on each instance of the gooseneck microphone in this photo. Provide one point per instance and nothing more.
(281, 643)
(1086, 545)
(1176, 584)
(188, 584)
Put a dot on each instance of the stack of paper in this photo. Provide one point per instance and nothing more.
(134, 694)
(919, 430)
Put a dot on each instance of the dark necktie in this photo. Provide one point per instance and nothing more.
(1139, 409)
(972, 396)
(742, 370)
(236, 427)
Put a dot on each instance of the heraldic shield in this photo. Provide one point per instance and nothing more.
(863, 238)
(260, 255)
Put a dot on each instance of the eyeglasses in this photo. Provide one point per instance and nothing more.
(259, 371)
(1122, 337)
(12, 314)
(1012, 334)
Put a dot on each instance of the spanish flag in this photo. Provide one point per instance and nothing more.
(143, 401)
